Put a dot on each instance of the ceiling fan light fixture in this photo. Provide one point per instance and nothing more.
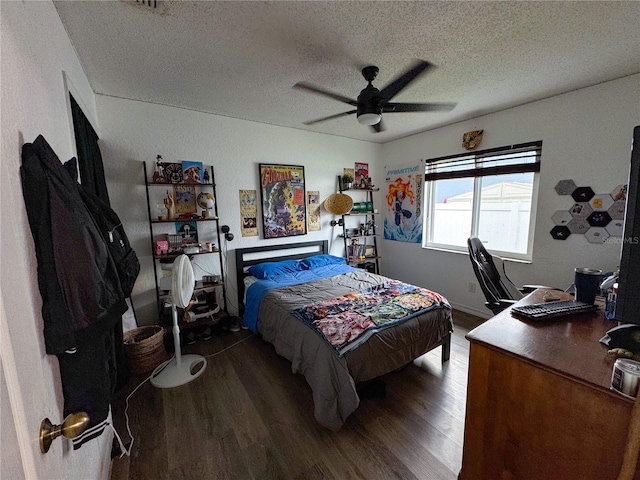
(369, 118)
(372, 102)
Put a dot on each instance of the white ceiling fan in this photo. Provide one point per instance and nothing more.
(181, 369)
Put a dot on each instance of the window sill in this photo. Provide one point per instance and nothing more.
(503, 255)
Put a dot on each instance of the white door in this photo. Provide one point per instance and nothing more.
(11, 465)
(18, 460)
(31, 376)
(30, 387)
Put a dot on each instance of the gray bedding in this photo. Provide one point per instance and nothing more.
(333, 378)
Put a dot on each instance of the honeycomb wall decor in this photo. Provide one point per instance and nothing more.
(597, 216)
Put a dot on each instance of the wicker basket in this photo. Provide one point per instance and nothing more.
(145, 348)
(338, 203)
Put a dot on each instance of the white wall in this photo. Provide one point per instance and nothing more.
(132, 132)
(586, 137)
(35, 52)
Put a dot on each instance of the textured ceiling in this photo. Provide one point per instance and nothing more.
(241, 59)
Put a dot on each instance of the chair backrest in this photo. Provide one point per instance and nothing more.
(494, 285)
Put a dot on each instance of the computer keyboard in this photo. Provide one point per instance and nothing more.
(551, 310)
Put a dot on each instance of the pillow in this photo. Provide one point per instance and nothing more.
(269, 270)
(320, 261)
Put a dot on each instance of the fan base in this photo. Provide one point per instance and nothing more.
(370, 73)
(171, 374)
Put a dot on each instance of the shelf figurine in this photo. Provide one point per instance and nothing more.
(158, 176)
(170, 206)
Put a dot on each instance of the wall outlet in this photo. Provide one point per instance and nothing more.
(472, 287)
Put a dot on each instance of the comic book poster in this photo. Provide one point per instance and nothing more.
(188, 231)
(185, 197)
(284, 212)
(248, 213)
(403, 206)
(362, 174)
(313, 207)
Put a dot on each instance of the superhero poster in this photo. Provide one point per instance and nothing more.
(403, 203)
(284, 212)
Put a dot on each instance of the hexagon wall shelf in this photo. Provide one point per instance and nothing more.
(596, 235)
(560, 232)
(582, 194)
(578, 225)
(581, 210)
(561, 217)
(566, 187)
(615, 228)
(596, 216)
(617, 210)
(601, 202)
(599, 219)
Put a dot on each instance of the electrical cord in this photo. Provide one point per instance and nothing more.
(230, 346)
(197, 265)
(127, 451)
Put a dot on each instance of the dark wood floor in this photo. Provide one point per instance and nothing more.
(249, 417)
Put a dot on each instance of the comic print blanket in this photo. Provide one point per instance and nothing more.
(349, 320)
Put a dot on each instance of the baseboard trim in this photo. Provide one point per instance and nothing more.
(484, 313)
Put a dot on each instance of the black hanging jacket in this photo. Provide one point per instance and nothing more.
(78, 280)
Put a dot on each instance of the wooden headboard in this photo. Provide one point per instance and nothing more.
(245, 257)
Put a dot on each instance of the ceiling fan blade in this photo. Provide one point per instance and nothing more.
(378, 127)
(403, 80)
(330, 117)
(326, 93)
(418, 107)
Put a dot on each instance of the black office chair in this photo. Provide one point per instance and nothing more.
(499, 291)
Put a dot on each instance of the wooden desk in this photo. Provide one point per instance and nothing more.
(538, 401)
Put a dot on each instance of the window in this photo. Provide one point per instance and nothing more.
(490, 194)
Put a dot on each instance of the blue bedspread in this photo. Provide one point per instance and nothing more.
(258, 290)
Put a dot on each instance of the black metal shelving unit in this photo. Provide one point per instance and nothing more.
(161, 295)
(361, 248)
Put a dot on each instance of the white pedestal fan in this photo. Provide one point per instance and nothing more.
(181, 369)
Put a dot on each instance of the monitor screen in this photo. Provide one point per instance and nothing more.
(628, 301)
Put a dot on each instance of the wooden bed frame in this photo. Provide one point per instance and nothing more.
(246, 257)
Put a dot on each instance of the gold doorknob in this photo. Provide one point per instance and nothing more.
(73, 425)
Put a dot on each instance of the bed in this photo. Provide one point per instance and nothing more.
(281, 309)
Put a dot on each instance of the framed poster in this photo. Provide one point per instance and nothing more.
(192, 172)
(185, 197)
(284, 212)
